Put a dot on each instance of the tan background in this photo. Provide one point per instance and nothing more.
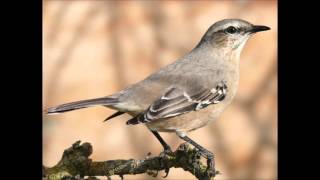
(95, 48)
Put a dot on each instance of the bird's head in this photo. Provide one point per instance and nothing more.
(230, 34)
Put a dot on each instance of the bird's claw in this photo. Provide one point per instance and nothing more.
(211, 167)
(210, 163)
(168, 150)
(167, 170)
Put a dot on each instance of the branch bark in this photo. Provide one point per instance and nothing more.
(76, 164)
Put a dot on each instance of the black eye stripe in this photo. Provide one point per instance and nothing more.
(241, 29)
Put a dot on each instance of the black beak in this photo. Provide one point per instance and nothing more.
(255, 29)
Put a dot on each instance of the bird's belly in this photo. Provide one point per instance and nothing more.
(186, 122)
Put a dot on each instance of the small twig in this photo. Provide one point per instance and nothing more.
(75, 164)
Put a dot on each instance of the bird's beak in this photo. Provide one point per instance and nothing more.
(255, 29)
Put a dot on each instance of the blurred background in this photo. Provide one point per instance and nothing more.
(95, 48)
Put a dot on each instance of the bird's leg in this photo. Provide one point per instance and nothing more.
(204, 152)
(166, 147)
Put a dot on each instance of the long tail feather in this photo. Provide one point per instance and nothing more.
(81, 104)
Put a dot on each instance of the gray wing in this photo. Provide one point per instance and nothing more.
(176, 101)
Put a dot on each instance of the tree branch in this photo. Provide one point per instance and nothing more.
(75, 164)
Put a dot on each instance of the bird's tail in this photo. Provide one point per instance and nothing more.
(82, 104)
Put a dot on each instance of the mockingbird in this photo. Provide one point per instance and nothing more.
(187, 94)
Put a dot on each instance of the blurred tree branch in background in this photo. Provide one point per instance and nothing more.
(75, 164)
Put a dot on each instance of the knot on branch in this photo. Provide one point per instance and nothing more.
(76, 164)
(75, 158)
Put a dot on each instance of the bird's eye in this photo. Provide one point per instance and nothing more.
(231, 30)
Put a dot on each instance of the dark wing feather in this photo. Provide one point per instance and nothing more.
(176, 102)
(118, 113)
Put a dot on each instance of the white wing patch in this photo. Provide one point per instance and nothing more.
(164, 98)
(187, 96)
(177, 101)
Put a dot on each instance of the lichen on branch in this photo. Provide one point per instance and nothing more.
(76, 164)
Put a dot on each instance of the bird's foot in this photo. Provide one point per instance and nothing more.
(167, 151)
(211, 171)
(167, 170)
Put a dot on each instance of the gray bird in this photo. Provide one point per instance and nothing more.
(187, 94)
